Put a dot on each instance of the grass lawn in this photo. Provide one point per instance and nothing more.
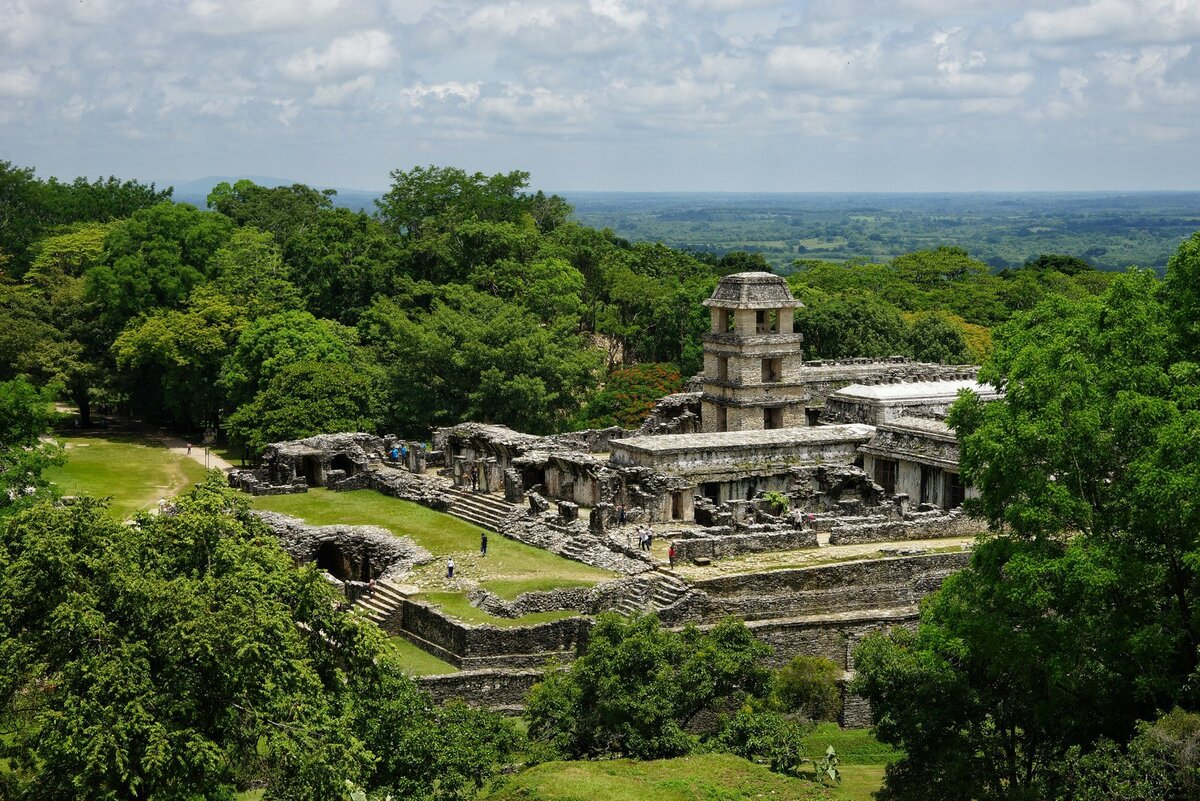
(853, 746)
(510, 568)
(135, 471)
(414, 661)
(695, 778)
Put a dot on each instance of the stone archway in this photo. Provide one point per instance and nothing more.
(329, 557)
(344, 463)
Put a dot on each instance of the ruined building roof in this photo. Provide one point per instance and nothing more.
(753, 291)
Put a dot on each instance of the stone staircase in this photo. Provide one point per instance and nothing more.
(484, 510)
(383, 604)
(666, 590)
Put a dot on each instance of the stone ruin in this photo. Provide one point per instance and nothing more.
(324, 461)
(767, 454)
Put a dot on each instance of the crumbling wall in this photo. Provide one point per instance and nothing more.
(674, 414)
(918, 526)
(467, 646)
(721, 544)
(493, 688)
(865, 584)
(371, 551)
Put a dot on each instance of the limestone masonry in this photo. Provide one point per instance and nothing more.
(818, 500)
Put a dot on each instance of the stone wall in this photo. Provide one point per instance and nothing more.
(723, 546)
(426, 490)
(467, 646)
(920, 526)
(673, 414)
(361, 552)
(503, 689)
(847, 586)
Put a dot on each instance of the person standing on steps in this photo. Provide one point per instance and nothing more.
(450, 568)
(671, 555)
(483, 543)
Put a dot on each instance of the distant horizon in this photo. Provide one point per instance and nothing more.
(745, 192)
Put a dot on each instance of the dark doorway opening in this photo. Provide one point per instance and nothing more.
(330, 558)
(310, 468)
(343, 462)
(930, 483)
(676, 505)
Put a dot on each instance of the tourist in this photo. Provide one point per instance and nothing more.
(483, 543)
(395, 454)
(450, 568)
(671, 555)
(189, 449)
(620, 514)
(371, 588)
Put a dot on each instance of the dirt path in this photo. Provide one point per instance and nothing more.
(179, 446)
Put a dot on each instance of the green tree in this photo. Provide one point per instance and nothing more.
(250, 268)
(933, 338)
(185, 656)
(853, 324)
(270, 344)
(154, 259)
(170, 361)
(1017, 659)
(340, 260)
(1182, 293)
(452, 353)
(302, 400)
(24, 416)
(636, 688)
(281, 211)
(809, 685)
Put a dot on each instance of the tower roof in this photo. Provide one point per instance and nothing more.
(753, 291)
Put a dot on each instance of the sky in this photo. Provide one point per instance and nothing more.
(694, 95)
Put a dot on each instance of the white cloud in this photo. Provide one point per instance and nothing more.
(336, 95)
(665, 85)
(365, 51)
(18, 83)
(263, 16)
(419, 93)
(1127, 20)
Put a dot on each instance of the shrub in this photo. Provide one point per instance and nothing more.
(808, 685)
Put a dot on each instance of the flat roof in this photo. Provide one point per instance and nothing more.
(725, 440)
(922, 425)
(916, 390)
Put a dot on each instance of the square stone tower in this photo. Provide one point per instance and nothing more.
(752, 357)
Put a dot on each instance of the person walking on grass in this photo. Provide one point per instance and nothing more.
(671, 555)
(483, 543)
(450, 568)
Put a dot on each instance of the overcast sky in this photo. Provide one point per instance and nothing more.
(734, 95)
